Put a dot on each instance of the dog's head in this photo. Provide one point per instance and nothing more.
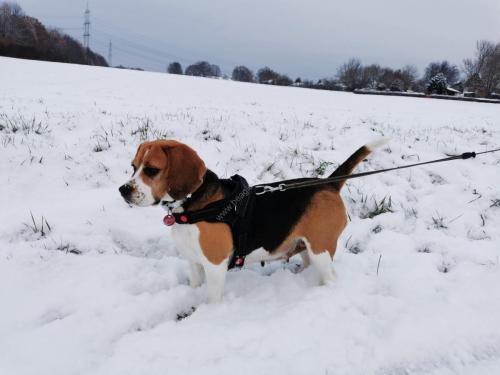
(163, 170)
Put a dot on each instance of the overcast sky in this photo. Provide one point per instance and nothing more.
(308, 38)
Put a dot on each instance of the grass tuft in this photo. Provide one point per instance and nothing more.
(495, 203)
(354, 247)
(377, 207)
(209, 136)
(21, 124)
(439, 221)
(68, 248)
(322, 167)
(42, 227)
(147, 131)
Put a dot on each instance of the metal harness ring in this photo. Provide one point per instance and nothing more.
(270, 189)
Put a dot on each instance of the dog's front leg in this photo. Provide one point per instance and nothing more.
(195, 274)
(215, 275)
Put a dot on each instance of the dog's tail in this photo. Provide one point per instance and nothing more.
(348, 166)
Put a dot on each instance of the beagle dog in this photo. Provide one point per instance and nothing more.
(305, 221)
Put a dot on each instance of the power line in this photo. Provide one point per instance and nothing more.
(53, 17)
(137, 50)
(67, 28)
(124, 31)
(117, 32)
(139, 46)
(131, 52)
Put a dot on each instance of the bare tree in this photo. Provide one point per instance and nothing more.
(372, 74)
(74, 50)
(473, 66)
(408, 77)
(16, 9)
(283, 80)
(351, 74)
(483, 71)
(267, 75)
(385, 78)
(174, 68)
(10, 19)
(203, 69)
(216, 72)
(242, 73)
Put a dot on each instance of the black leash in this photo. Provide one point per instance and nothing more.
(284, 185)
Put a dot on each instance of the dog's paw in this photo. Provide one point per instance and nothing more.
(184, 314)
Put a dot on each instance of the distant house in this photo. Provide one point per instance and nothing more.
(496, 93)
(458, 86)
(472, 86)
(327, 84)
(452, 92)
(298, 83)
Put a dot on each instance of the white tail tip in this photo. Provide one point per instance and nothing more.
(376, 144)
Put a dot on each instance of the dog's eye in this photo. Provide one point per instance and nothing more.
(150, 171)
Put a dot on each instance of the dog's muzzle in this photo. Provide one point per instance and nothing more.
(126, 191)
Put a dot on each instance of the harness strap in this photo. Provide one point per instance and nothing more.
(205, 214)
(234, 210)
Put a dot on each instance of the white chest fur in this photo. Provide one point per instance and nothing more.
(186, 238)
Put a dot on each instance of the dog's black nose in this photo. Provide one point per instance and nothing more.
(125, 190)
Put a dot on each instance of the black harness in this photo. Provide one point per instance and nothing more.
(234, 210)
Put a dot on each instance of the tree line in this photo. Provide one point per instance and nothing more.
(26, 37)
(478, 76)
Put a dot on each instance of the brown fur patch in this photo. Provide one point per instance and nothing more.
(321, 224)
(202, 202)
(216, 241)
(181, 169)
(347, 166)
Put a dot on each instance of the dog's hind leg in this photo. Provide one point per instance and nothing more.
(322, 262)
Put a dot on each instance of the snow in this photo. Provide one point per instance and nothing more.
(101, 291)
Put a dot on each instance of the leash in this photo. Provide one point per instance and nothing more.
(284, 185)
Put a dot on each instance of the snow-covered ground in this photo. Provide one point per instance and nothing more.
(101, 290)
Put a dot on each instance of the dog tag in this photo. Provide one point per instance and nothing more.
(169, 220)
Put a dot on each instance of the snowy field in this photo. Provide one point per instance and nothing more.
(91, 286)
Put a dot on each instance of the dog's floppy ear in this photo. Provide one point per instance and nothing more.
(185, 169)
(141, 150)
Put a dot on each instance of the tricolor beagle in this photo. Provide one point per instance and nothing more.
(307, 221)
